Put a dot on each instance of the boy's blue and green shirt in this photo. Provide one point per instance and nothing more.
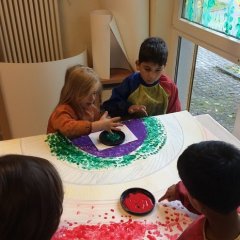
(159, 98)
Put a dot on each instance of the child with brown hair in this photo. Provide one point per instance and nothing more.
(210, 174)
(77, 112)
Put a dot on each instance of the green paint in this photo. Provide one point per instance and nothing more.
(64, 150)
(214, 14)
(229, 17)
(238, 28)
(189, 10)
(208, 6)
(112, 137)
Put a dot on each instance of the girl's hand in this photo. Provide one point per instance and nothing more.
(106, 123)
(170, 194)
(138, 109)
(105, 115)
(109, 123)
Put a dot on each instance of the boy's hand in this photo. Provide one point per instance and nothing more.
(138, 109)
(170, 194)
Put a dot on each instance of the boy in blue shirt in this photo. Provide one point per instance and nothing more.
(147, 92)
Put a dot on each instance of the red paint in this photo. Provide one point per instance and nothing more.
(171, 237)
(173, 224)
(151, 237)
(113, 231)
(138, 202)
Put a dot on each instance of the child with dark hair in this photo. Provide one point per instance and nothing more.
(31, 196)
(210, 174)
(147, 92)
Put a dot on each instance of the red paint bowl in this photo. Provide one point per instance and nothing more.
(137, 201)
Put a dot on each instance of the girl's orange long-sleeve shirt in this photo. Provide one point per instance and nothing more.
(70, 123)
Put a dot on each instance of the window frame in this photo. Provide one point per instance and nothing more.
(227, 46)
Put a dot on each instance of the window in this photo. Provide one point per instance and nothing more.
(220, 15)
(205, 24)
(215, 89)
(217, 41)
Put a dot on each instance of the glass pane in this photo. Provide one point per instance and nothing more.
(220, 15)
(216, 88)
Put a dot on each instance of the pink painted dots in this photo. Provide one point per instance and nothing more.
(113, 231)
(171, 224)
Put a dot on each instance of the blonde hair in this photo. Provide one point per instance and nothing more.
(79, 80)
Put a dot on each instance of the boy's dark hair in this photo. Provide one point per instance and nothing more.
(153, 49)
(210, 171)
(31, 196)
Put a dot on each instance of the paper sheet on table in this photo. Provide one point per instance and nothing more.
(129, 137)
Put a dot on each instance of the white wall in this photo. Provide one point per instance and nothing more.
(161, 13)
(76, 32)
(75, 22)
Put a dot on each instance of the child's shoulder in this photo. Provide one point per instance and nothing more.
(195, 230)
(165, 78)
(166, 82)
(134, 75)
(132, 80)
(61, 108)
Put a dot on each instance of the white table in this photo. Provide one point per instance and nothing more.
(91, 203)
(217, 130)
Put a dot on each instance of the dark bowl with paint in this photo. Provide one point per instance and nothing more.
(113, 138)
(137, 201)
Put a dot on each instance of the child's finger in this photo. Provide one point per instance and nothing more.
(142, 107)
(144, 112)
(116, 119)
(105, 114)
(115, 128)
(117, 124)
(165, 196)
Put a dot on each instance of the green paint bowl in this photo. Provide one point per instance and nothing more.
(113, 138)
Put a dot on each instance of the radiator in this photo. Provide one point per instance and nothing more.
(30, 31)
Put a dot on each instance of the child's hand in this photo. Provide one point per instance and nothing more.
(110, 123)
(138, 109)
(170, 194)
(106, 123)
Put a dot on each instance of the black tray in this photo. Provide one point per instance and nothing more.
(112, 139)
(139, 212)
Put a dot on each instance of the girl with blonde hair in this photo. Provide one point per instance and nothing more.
(78, 111)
